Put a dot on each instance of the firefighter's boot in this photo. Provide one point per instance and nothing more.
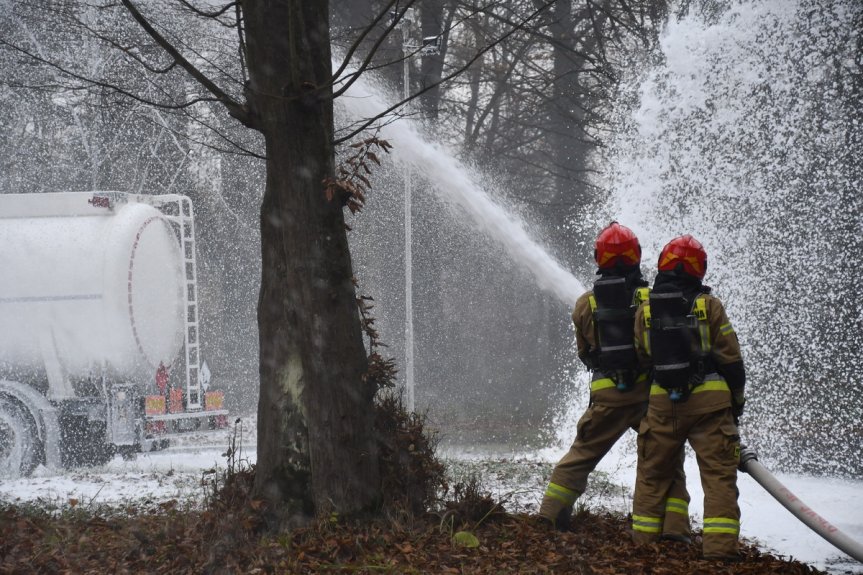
(675, 525)
(557, 505)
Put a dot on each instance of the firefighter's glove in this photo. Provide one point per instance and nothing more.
(737, 403)
(590, 359)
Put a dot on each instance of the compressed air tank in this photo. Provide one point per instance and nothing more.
(90, 282)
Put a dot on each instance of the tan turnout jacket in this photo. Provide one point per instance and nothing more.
(724, 348)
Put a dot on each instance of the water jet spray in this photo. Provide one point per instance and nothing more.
(462, 190)
(455, 183)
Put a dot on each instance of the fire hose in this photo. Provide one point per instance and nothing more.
(749, 463)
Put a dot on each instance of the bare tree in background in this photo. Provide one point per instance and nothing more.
(538, 104)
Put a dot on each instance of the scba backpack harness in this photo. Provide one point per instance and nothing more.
(677, 337)
(613, 310)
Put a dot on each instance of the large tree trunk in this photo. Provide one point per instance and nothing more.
(316, 452)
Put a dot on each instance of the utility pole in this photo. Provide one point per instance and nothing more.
(430, 46)
(409, 296)
(407, 48)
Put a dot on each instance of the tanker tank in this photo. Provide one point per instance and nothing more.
(89, 286)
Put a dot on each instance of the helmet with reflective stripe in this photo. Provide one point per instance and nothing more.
(684, 253)
(617, 245)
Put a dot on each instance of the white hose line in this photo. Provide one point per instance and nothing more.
(803, 512)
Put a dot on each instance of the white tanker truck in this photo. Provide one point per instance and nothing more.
(99, 339)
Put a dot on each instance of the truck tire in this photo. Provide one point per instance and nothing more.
(20, 448)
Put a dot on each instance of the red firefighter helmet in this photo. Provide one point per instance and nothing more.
(684, 251)
(616, 244)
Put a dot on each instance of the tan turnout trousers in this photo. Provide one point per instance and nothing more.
(713, 436)
(598, 430)
(609, 415)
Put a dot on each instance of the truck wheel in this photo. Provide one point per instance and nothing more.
(19, 445)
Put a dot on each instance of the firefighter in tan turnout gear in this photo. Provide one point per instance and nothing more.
(604, 319)
(696, 395)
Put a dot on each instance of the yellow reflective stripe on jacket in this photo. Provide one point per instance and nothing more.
(606, 382)
(699, 309)
(561, 493)
(592, 301)
(646, 524)
(676, 505)
(600, 384)
(646, 333)
(712, 385)
(721, 525)
(726, 329)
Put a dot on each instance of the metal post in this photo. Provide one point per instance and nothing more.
(409, 308)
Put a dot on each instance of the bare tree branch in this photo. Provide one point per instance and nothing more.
(552, 41)
(448, 77)
(368, 67)
(597, 32)
(497, 94)
(239, 150)
(235, 109)
(107, 85)
(355, 46)
(200, 12)
(241, 47)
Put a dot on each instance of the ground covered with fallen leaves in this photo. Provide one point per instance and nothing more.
(167, 539)
(230, 531)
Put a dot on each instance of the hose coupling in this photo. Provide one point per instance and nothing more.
(746, 455)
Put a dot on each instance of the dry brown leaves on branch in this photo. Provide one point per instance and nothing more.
(381, 372)
(351, 184)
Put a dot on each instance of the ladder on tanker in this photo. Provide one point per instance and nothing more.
(178, 209)
(186, 222)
